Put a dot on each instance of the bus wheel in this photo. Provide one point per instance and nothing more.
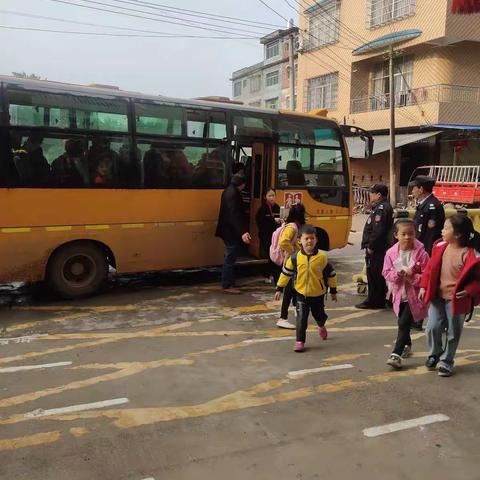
(77, 270)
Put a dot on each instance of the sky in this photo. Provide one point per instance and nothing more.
(177, 67)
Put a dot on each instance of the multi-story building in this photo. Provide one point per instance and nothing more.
(436, 75)
(267, 84)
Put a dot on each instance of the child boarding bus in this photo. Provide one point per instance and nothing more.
(95, 177)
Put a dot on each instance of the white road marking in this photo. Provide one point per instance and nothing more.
(76, 408)
(265, 340)
(23, 368)
(25, 339)
(299, 373)
(404, 425)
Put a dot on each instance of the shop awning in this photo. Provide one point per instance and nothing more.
(356, 147)
(457, 127)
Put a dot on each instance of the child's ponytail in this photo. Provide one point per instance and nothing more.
(463, 227)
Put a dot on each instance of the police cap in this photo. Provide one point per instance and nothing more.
(423, 181)
(379, 188)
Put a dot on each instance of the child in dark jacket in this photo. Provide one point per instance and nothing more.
(451, 284)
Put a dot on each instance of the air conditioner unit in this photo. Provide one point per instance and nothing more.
(299, 45)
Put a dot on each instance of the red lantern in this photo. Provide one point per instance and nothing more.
(459, 145)
(466, 7)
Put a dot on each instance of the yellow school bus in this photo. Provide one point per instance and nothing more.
(92, 178)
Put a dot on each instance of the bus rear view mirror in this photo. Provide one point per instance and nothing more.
(357, 132)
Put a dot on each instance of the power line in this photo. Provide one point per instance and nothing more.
(147, 18)
(194, 13)
(163, 15)
(55, 19)
(273, 10)
(102, 34)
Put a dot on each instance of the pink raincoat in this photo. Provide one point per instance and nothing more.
(412, 284)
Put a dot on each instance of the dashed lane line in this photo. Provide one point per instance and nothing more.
(301, 373)
(404, 425)
(76, 408)
(23, 368)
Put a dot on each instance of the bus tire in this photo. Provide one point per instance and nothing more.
(77, 270)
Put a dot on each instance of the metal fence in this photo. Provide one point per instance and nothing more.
(361, 200)
(441, 93)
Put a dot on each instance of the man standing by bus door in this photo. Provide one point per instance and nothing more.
(429, 216)
(232, 228)
(376, 241)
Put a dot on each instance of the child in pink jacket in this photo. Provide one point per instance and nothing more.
(402, 268)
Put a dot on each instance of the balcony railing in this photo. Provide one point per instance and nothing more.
(441, 93)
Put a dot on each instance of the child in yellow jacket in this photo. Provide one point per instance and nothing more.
(312, 276)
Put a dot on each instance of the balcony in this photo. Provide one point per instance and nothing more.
(440, 94)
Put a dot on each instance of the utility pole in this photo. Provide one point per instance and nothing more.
(393, 180)
(291, 51)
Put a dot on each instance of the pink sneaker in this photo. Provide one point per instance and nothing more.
(299, 347)
(322, 331)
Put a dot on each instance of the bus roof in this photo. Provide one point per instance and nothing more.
(114, 92)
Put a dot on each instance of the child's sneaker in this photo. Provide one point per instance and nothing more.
(395, 361)
(282, 323)
(443, 371)
(407, 351)
(299, 347)
(322, 331)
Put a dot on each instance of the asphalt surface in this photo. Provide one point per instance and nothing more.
(196, 384)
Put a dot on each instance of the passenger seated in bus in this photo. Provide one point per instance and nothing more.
(70, 169)
(155, 162)
(104, 172)
(210, 170)
(295, 174)
(99, 148)
(33, 168)
(127, 168)
(180, 171)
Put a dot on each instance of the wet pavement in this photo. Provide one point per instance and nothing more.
(165, 377)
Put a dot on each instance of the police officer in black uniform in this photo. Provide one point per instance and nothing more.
(430, 215)
(376, 241)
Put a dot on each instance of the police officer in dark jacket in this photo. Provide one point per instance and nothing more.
(430, 215)
(232, 228)
(376, 241)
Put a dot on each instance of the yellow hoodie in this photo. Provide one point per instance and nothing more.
(312, 274)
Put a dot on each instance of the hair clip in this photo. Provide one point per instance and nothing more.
(471, 235)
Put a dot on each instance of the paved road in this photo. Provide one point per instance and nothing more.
(195, 385)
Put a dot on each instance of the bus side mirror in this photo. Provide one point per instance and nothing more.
(363, 135)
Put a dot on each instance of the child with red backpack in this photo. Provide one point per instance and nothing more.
(284, 245)
(451, 284)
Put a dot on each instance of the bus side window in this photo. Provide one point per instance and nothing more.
(206, 124)
(112, 162)
(46, 161)
(182, 164)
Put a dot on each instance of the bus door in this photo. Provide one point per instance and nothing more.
(260, 171)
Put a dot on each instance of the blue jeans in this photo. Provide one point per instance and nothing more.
(228, 271)
(441, 319)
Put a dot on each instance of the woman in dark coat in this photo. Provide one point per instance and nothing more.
(268, 220)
